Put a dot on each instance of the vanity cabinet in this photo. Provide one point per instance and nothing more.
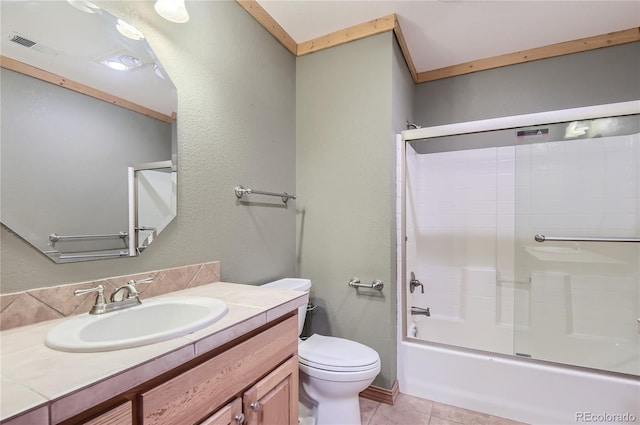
(274, 399)
(244, 365)
(271, 401)
(260, 370)
(120, 415)
(231, 414)
(252, 380)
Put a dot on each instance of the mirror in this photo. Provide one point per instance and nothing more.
(152, 189)
(73, 129)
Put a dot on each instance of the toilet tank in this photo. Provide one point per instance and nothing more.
(294, 284)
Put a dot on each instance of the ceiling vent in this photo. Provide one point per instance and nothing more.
(22, 40)
(32, 45)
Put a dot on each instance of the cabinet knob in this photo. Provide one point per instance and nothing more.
(239, 418)
(255, 406)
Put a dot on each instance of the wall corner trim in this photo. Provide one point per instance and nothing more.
(270, 24)
(346, 35)
(405, 50)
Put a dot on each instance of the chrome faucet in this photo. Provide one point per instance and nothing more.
(118, 300)
(119, 294)
(99, 306)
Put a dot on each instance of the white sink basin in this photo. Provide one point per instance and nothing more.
(153, 321)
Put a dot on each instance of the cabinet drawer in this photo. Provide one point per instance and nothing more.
(193, 395)
(121, 415)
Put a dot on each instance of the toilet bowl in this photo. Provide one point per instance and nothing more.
(333, 371)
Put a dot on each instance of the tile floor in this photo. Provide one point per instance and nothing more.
(410, 410)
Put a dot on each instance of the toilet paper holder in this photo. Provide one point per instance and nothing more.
(376, 284)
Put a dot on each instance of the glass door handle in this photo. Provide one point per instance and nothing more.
(543, 238)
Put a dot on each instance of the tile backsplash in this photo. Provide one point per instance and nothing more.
(37, 305)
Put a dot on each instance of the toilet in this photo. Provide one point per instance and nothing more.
(333, 371)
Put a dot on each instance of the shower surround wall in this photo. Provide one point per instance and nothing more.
(460, 216)
(578, 303)
(471, 217)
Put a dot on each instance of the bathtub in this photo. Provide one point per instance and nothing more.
(519, 389)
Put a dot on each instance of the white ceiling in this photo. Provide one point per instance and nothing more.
(451, 32)
(438, 33)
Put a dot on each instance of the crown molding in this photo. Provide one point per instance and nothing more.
(545, 52)
(391, 23)
(259, 14)
(355, 32)
(58, 80)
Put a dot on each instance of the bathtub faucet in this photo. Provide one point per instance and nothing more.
(414, 283)
(415, 311)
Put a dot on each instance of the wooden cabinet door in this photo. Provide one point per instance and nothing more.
(231, 414)
(120, 415)
(274, 399)
(198, 392)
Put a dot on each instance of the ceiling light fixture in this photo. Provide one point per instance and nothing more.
(115, 65)
(122, 62)
(172, 10)
(129, 30)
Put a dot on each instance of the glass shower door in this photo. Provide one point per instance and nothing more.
(459, 203)
(577, 256)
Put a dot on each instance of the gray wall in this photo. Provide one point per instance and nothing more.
(403, 92)
(345, 163)
(595, 77)
(236, 125)
(64, 162)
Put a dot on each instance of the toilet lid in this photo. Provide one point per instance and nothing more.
(338, 354)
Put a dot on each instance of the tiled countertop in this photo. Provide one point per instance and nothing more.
(36, 378)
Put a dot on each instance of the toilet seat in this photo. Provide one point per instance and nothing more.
(337, 355)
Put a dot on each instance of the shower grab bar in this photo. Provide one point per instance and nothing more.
(54, 237)
(241, 191)
(376, 284)
(542, 238)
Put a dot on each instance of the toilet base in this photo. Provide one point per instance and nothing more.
(331, 406)
(339, 412)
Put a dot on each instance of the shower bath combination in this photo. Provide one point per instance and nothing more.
(519, 229)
